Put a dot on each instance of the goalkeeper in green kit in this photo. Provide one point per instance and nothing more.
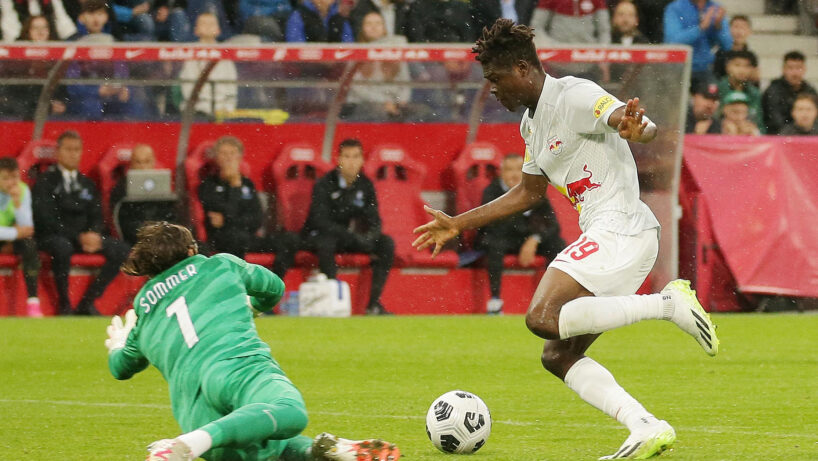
(192, 321)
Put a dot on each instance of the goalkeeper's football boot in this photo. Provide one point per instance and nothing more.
(646, 443)
(327, 447)
(169, 450)
(690, 316)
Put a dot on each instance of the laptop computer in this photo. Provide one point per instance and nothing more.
(148, 186)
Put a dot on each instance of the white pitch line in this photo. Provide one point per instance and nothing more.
(341, 414)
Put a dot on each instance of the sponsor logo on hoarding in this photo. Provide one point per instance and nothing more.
(455, 54)
(415, 54)
(37, 52)
(310, 54)
(383, 55)
(588, 55)
(341, 54)
(130, 54)
(543, 55)
(248, 54)
(657, 55)
(208, 54)
(4, 52)
(99, 53)
(69, 52)
(175, 53)
(279, 54)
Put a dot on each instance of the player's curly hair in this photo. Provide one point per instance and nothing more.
(159, 246)
(505, 43)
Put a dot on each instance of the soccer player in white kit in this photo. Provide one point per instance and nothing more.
(576, 137)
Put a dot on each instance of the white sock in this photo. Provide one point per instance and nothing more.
(199, 441)
(597, 386)
(590, 314)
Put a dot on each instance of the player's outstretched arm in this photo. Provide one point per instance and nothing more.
(443, 227)
(632, 123)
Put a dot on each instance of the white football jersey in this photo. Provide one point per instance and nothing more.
(568, 140)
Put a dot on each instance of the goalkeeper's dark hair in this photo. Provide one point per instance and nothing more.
(505, 44)
(159, 246)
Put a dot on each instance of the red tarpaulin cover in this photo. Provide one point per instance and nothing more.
(762, 193)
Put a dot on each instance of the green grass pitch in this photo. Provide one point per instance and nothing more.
(376, 377)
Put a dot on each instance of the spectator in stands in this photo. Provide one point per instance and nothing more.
(380, 102)
(319, 21)
(131, 215)
(171, 21)
(233, 214)
(701, 24)
(804, 114)
(626, 25)
(68, 219)
(740, 31)
(344, 217)
(651, 17)
(704, 103)
(739, 73)
(95, 18)
(441, 21)
(20, 101)
(17, 228)
(264, 18)
(535, 232)
(213, 97)
(485, 12)
(110, 100)
(561, 21)
(394, 12)
(15, 14)
(736, 115)
(570, 21)
(134, 20)
(780, 96)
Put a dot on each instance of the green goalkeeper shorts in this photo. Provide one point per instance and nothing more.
(231, 384)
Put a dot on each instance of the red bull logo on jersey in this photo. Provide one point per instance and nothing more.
(554, 145)
(576, 190)
(602, 104)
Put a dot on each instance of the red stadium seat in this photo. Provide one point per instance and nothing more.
(295, 171)
(398, 180)
(35, 157)
(474, 169)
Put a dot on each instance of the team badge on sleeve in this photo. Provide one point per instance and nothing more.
(602, 104)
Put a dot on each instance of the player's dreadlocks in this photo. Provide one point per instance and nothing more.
(505, 44)
(159, 246)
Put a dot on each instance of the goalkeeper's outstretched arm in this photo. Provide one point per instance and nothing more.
(124, 358)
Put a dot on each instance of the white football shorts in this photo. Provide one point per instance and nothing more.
(610, 264)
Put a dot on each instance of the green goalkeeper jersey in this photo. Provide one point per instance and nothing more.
(194, 314)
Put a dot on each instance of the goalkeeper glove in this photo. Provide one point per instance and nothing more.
(118, 333)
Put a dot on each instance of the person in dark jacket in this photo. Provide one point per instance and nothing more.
(68, 219)
(779, 97)
(233, 214)
(535, 232)
(441, 21)
(344, 217)
(804, 116)
(625, 25)
(318, 21)
(130, 215)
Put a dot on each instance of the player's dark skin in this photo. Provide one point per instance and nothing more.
(521, 85)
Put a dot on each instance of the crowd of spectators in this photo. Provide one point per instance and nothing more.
(719, 41)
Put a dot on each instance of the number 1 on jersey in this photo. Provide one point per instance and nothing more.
(179, 308)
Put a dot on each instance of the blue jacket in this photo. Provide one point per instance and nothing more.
(300, 27)
(682, 26)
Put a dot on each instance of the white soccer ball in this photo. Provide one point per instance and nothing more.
(458, 422)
